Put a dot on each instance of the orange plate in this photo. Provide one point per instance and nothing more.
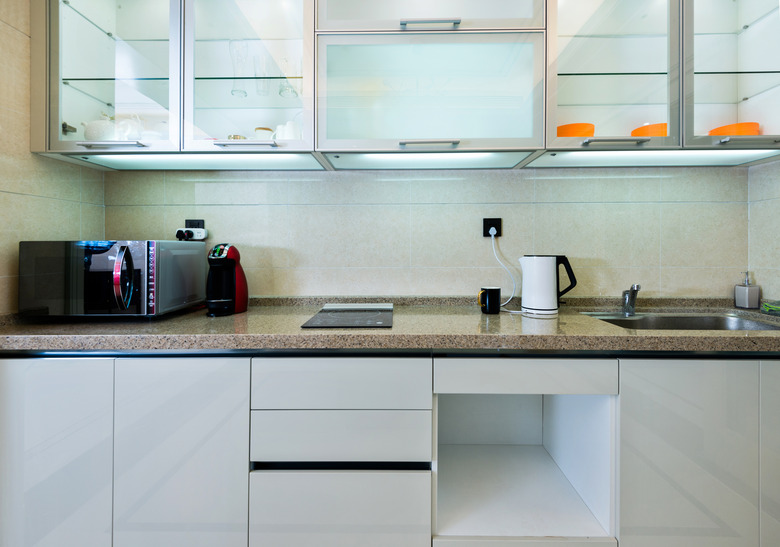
(650, 130)
(576, 130)
(744, 128)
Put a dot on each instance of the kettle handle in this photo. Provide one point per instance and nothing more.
(560, 259)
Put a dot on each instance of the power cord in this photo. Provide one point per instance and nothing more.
(493, 233)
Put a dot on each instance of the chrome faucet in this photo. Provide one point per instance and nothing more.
(629, 300)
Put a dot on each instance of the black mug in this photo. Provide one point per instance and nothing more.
(489, 299)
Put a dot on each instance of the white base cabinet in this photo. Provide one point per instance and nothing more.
(340, 508)
(770, 453)
(55, 452)
(181, 452)
(689, 453)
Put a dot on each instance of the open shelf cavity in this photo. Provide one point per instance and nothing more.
(525, 466)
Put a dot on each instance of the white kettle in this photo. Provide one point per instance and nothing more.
(541, 283)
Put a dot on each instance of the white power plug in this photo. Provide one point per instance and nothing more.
(191, 234)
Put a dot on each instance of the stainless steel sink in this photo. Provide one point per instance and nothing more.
(683, 321)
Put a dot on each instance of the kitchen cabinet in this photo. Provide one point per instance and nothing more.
(56, 420)
(525, 452)
(613, 74)
(341, 452)
(409, 14)
(689, 453)
(732, 73)
(181, 441)
(430, 91)
(249, 75)
(105, 76)
(770, 453)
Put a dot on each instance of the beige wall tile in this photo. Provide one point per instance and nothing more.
(346, 188)
(594, 185)
(697, 235)
(135, 222)
(765, 181)
(471, 187)
(135, 188)
(93, 221)
(15, 68)
(9, 288)
(242, 188)
(704, 184)
(16, 14)
(92, 187)
(769, 281)
(764, 230)
(699, 282)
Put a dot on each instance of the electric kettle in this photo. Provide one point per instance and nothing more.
(541, 283)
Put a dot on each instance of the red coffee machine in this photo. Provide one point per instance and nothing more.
(226, 290)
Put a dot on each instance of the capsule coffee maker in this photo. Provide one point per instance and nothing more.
(226, 289)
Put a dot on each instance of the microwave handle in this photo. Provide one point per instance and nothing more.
(123, 298)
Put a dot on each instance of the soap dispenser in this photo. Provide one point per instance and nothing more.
(746, 295)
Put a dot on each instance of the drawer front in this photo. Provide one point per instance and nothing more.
(340, 508)
(341, 383)
(340, 435)
(532, 376)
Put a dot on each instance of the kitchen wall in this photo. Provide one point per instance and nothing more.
(39, 198)
(678, 232)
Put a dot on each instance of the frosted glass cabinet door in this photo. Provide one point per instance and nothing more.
(430, 91)
(181, 450)
(732, 73)
(689, 453)
(613, 74)
(56, 420)
(439, 14)
(249, 75)
(114, 75)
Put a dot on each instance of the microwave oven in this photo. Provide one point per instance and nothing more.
(110, 278)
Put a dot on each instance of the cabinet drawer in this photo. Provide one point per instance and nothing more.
(341, 383)
(340, 508)
(341, 435)
(533, 376)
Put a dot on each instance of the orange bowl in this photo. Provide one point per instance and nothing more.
(576, 130)
(650, 130)
(744, 128)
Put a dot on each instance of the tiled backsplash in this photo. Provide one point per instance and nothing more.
(678, 232)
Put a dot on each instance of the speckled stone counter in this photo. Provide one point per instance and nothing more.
(430, 326)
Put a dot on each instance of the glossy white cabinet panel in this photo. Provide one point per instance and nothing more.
(431, 14)
(689, 453)
(341, 435)
(341, 383)
(340, 508)
(540, 376)
(55, 452)
(180, 452)
(770, 453)
(524, 542)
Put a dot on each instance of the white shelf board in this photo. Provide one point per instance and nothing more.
(508, 491)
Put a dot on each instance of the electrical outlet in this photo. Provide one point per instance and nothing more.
(191, 234)
(488, 223)
(190, 223)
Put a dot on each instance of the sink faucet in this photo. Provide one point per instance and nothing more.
(629, 300)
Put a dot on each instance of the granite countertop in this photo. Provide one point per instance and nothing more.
(438, 324)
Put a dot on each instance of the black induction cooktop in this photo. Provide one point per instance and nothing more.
(352, 316)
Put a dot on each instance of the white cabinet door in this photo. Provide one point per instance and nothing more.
(431, 14)
(689, 453)
(181, 452)
(340, 509)
(55, 452)
(770, 453)
(434, 91)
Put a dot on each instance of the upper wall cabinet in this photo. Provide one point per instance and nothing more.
(613, 74)
(113, 78)
(430, 14)
(732, 73)
(248, 68)
(441, 91)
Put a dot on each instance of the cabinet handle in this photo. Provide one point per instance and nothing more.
(635, 140)
(246, 142)
(454, 22)
(749, 139)
(451, 142)
(111, 144)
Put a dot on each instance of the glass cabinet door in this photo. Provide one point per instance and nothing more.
(732, 77)
(248, 83)
(429, 14)
(430, 91)
(613, 74)
(114, 75)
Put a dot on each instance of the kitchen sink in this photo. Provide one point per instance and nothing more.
(684, 321)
